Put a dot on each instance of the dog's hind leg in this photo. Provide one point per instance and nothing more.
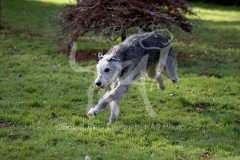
(160, 81)
(152, 73)
(170, 67)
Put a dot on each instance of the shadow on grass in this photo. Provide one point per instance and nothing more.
(212, 47)
(32, 14)
(215, 130)
(222, 114)
(210, 6)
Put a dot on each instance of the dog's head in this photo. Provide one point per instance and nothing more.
(109, 69)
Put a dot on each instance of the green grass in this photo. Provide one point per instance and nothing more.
(46, 100)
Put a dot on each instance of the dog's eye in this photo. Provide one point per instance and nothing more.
(107, 70)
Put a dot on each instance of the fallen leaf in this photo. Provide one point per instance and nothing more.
(54, 115)
(184, 55)
(206, 74)
(79, 103)
(175, 142)
(5, 124)
(26, 138)
(201, 108)
(84, 115)
(204, 155)
(54, 143)
(12, 135)
(228, 88)
(162, 101)
(237, 121)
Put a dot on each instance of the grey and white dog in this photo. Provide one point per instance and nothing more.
(139, 55)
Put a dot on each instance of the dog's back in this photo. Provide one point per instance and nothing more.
(137, 46)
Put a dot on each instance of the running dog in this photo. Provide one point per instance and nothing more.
(139, 55)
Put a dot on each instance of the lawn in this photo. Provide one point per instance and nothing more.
(43, 100)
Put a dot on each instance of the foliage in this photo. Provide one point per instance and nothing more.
(105, 17)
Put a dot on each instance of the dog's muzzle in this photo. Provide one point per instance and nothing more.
(98, 84)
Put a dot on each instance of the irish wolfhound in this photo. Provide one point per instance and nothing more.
(139, 55)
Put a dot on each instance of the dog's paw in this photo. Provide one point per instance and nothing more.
(92, 112)
(111, 121)
(162, 86)
(174, 80)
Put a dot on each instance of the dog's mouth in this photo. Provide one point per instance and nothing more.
(103, 87)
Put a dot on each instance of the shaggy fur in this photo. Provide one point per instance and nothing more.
(139, 55)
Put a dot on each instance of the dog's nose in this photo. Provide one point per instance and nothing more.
(98, 84)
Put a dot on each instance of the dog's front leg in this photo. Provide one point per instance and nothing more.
(114, 107)
(113, 96)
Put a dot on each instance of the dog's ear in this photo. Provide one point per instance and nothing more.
(114, 58)
(100, 55)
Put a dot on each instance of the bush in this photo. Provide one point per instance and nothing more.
(118, 16)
